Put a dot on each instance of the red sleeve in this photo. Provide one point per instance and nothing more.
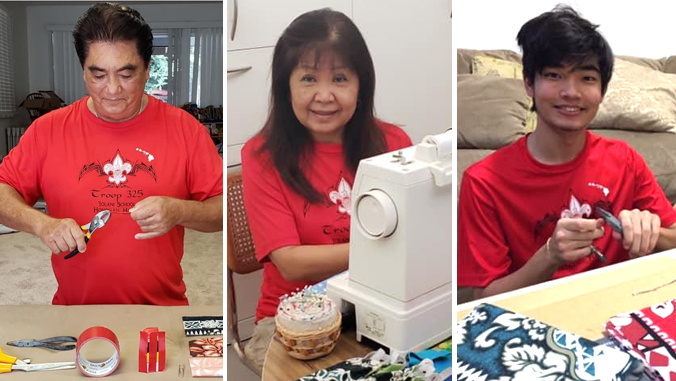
(649, 194)
(483, 254)
(21, 168)
(270, 217)
(205, 171)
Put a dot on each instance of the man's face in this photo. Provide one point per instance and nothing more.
(115, 77)
(324, 97)
(567, 97)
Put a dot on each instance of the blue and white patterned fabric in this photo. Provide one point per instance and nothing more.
(496, 344)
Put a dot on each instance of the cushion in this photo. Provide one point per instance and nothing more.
(491, 112)
(638, 99)
(485, 65)
(465, 56)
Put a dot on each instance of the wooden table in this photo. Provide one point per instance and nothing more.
(126, 321)
(280, 366)
(583, 303)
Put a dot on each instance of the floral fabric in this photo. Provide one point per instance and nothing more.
(376, 366)
(650, 334)
(496, 344)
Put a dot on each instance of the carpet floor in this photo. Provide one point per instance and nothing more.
(27, 277)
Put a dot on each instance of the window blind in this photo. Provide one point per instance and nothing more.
(7, 106)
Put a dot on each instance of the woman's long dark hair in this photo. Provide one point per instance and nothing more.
(325, 33)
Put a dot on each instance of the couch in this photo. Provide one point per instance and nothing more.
(639, 107)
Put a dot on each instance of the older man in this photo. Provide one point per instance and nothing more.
(151, 165)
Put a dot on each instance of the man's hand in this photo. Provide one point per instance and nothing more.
(156, 215)
(640, 231)
(63, 235)
(572, 239)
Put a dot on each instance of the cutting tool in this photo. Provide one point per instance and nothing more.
(9, 363)
(613, 221)
(57, 343)
(98, 221)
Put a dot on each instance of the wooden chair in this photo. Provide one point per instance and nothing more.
(241, 257)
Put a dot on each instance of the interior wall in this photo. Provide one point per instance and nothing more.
(636, 28)
(39, 17)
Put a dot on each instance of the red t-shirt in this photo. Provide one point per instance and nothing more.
(280, 217)
(509, 205)
(82, 165)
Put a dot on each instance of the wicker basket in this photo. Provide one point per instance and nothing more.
(310, 345)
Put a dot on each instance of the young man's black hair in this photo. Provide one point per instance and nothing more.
(562, 37)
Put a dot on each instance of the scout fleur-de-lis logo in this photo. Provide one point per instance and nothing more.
(341, 197)
(576, 210)
(117, 170)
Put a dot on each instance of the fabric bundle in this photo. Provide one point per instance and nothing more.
(496, 344)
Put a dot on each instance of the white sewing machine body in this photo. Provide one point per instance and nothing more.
(399, 277)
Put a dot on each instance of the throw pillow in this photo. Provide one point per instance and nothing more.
(490, 66)
(638, 99)
(492, 111)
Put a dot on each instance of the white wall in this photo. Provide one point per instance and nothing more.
(637, 28)
(38, 17)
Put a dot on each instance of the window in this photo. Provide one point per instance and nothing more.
(158, 83)
(7, 107)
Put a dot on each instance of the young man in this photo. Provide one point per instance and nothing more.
(528, 213)
(151, 165)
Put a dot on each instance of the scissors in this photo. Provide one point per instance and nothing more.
(613, 221)
(98, 221)
(57, 343)
(9, 363)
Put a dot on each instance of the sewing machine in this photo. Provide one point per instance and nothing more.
(399, 277)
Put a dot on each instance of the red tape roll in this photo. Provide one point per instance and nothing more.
(97, 369)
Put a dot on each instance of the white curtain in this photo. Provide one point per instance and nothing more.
(209, 49)
(68, 82)
(203, 84)
(7, 106)
(178, 80)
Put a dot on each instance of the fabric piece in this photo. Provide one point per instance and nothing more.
(280, 217)
(492, 111)
(203, 325)
(650, 334)
(207, 367)
(442, 359)
(494, 343)
(639, 99)
(82, 165)
(509, 205)
(376, 366)
(257, 347)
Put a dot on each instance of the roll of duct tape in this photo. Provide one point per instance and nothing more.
(97, 369)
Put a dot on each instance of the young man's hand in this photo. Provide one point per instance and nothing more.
(640, 230)
(572, 239)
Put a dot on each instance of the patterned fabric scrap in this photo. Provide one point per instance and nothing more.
(650, 334)
(376, 366)
(496, 344)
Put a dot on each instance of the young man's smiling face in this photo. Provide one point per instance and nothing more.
(567, 97)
